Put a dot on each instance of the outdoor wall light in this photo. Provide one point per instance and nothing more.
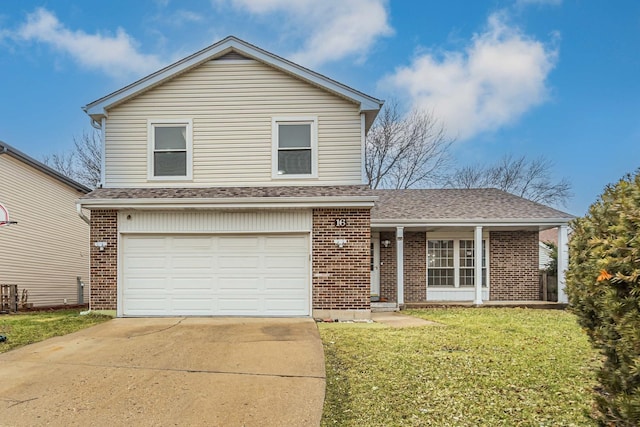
(340, 242)
(100, 245)
(386, 243)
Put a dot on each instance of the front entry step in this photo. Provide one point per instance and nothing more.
(379, 307)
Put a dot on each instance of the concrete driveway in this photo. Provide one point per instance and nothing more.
(169, 372)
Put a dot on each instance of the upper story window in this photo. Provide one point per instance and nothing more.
(170, 156)
(294, 147)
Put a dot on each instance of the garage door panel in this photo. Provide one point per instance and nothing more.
(190, 243)
(145, 262)
(289, 284)
(186, 284)
(244, 283)
(147, 284)
(291, 243)
(190, 262)
(238, 242)
(257, 275)
(192, 304)
(285, 262)
(239, 261)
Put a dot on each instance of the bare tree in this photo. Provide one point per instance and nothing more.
(89, 155)
(65, 163)
(528, 178)
(83, 163)
(403, 152)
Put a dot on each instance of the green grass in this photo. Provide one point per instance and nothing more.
(484, 367)
(27, 328)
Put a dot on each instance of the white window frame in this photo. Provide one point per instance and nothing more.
(294, 120)
(457, 237)
(151, 125)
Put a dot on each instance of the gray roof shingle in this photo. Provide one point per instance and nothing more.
(419, 205)
(230, 192)
(461, 204)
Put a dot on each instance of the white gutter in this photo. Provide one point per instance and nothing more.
(81, 214)
(467, 222)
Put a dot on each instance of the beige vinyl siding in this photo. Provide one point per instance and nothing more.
(49, 246)
(231, 104)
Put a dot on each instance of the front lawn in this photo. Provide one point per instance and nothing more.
(490, 367)
(27, 328)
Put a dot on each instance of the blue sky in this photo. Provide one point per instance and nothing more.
(559, 78)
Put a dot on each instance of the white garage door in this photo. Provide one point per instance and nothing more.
(221, 275)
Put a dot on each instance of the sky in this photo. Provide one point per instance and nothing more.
(553, 78)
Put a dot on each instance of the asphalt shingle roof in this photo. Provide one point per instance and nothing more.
(413, 204)
(230, 192)
(482, 203)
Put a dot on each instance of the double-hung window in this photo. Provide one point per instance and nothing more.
(451, 263)
(170, 149)
(294, 147)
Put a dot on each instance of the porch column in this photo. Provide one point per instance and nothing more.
(478, 264)
(563, 261)
(400, 263)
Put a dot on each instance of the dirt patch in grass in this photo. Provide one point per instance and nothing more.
(27, 328)
(489, 367)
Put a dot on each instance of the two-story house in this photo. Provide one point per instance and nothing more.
(233, 184)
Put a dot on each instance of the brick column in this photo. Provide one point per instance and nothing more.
(104, 264)
(341, 276)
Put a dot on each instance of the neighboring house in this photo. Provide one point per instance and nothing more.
(47, 252)
(233, 184)
(546, 236)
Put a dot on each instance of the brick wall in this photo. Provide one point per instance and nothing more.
(415, 267)
(341, 276)
(388, 268)
(514, 266)
(104, 267)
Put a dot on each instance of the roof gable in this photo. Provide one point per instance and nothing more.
(19, 155)
(233, 48)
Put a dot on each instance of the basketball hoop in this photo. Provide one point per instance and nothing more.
(4, 216)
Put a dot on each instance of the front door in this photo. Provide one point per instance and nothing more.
(375, 266)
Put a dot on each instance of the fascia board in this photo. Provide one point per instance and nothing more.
(511, 222)
(99, 107)
(227, 203)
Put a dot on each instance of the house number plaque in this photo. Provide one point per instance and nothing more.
(341, 222)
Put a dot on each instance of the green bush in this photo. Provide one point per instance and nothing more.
(604, 292)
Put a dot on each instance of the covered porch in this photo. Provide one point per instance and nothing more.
(472, 247)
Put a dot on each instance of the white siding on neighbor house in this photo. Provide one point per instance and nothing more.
(49, 246)
(211, 222)
(544, 256)
(232, 104)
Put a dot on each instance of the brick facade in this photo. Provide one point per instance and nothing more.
(415, 267)
(104, 264)
(388, 268)
(341, 276)
(514, 266)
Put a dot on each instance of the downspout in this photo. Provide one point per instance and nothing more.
(81, 214)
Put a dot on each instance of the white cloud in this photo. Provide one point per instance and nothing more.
(332, 29)
(114, 55)
(499, 76)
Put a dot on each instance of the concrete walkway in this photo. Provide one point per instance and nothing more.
(397, 320)
(169, 372)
